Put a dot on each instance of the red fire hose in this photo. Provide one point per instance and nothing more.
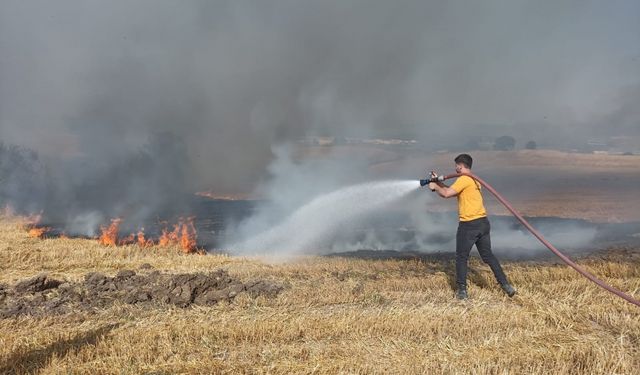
(539, 236)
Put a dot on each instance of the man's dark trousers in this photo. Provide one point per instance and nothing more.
(475, 232)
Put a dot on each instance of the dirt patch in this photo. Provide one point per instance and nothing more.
(42, 295)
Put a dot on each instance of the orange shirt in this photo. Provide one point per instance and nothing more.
(470, 206)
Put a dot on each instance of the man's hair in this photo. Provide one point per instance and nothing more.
(464, 159)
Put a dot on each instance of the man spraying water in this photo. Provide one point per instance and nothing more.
(473, 228)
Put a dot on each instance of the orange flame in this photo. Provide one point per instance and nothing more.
(31, 221)
(38, 232)
(109, 236)
(188, 238)
(169, 238)
(142, 241)
(30, 224)
(184, 234)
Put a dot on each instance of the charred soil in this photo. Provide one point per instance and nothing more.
(42, 295)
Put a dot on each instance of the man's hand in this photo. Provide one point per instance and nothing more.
(434, 177)
(443, 190)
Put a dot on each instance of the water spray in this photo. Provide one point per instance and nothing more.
(537, 234)
(315, 222)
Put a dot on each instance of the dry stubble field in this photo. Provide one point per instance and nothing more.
(334, 315)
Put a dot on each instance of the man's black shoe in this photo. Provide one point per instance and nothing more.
(509, 290)
(461, 294)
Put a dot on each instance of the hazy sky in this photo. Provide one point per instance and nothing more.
(95, 78)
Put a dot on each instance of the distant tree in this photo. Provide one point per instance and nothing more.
(531, 145)
(505, 143)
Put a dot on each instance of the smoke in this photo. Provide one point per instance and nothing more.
(293, 182)
(320, 206)
(434, 233)
(152, 181)
(22, 177)
(89, 85)
(310, 226)
(238, 75)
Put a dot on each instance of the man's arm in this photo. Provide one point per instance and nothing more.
(443, 190)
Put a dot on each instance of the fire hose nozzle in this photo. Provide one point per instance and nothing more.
(427, 180)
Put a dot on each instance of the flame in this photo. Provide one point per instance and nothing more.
(30, 224)
(169, 238)
(188, 238)
(109, 236)
(31, 221)
(38, 232)
(184, 234)
(142, 241)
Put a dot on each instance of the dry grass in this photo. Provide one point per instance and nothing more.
(336, 316)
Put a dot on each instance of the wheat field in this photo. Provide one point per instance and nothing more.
(335, 316)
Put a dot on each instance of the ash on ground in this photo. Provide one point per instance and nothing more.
(43, 295)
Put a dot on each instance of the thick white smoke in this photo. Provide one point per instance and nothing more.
(314, 206)
(312, 225)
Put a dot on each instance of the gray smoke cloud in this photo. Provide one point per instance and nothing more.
(133, 103)
(335, 204)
